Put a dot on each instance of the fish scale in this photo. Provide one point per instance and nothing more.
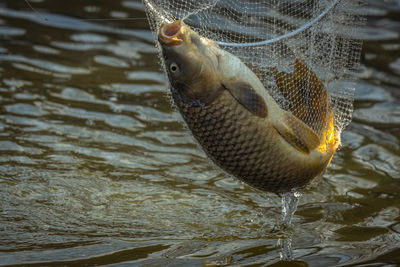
(240, 144)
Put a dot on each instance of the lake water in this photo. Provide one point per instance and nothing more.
(97, 169)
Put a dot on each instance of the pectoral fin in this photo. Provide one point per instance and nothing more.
(247, 97)
(297, 133)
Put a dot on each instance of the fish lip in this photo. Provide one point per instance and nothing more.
(169, 34)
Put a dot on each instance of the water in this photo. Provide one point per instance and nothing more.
(97, 169)
(290, 200)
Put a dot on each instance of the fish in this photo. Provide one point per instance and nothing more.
(235, 120)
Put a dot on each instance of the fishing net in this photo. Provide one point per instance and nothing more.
(304, 51)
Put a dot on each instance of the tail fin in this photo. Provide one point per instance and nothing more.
(306, 94)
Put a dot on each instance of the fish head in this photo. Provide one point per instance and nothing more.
(191, 62)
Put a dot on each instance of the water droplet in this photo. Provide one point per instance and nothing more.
(92, 9)
(89, 122)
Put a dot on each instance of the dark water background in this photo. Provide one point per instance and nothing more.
(96, 168)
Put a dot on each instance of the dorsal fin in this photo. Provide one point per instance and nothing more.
(245, 94)
(297, 133)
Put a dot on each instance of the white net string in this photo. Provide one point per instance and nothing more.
(270, 36)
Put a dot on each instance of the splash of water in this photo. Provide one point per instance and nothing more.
(286, 251)
(290, 200)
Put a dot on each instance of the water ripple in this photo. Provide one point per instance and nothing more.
(10, 31)
(24, 109)
(96, 167)
(69, 23)
(51, 66)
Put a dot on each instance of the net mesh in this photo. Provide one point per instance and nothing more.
(304, 51)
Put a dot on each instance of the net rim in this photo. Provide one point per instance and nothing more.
(259, 43)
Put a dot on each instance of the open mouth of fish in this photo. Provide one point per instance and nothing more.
(171, 34)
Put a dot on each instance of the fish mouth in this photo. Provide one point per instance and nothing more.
(171, 34)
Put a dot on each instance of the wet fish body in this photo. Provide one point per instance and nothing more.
(234, 119)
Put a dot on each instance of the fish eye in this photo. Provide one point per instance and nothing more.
(173, 67)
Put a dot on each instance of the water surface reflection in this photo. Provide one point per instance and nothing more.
(96, 167)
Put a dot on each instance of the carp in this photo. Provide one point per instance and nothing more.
(236, 121)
